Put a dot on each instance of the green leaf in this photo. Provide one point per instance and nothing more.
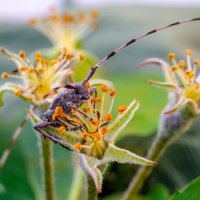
(89, 167)
(9, 87)
(121, 121)
(191, 191)
(115, 154)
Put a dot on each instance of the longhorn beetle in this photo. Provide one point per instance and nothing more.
(75, 94)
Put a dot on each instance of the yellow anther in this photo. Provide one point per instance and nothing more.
(87, 84)
(181, 63)
(73, 111)
(22, 54)
(171, 56)
(77, 121)
(81, 15)
(96, 99)
(95, 122)
(5, 75)
(104, 130)
(174, 68)
(85, 134)
(29, 98)
(189, 73)
(188, 52)
(97, 135)
(197, 63)
(30, 70)
(19, 92)
(104, 88)
(54, 18)
(112, 93)
(67, 18)
(78, 146)
(22, 69)
(62, 129)
(81, 57)
(86, 110)
(32, 21)
(58, 113)
(69, 56)
(196, 86)
(121, 109)
(38, 54)
(108, 117)
(40, 69)
(95, 13)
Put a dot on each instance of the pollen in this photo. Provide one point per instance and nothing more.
(22, 54)
(19, 92)
(188, 52)
(67, 18)
(73, 111)
(5, 75)
(95, 13)
(86, 110)
(104, 130)
(32, 22)
(121, 109)
(38, 54)
(81, 57)
(108, 117)
(171, 56)
(174, 68)
(189, 74)
(58, 113)
(61, 129)
(181, 63)
(69, 56)
(95, 122)
(197, 63)
(77, 121)
(112, 93)
(97, 135)
(85, 134)
(78, 146)
(104, 88)
(30, 70)
(96, 99)
(22, 69)
(87, 84)
(196, 86)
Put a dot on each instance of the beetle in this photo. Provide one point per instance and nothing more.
(75, 94)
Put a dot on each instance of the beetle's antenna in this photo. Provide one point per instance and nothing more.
(94, 68)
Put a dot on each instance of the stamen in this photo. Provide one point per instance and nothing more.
(121, 109)
(62, 129)
(85, 134)
(19, 92)
(112, 93)
(96, 99)
(5, 75)
(181, 63)
(171, 56)
(32, 22)
(94, 13)
(104, 130)
(174, 68)
(188, 52)
(104, 88)
(22, 54)
(108, 117)
(97, 135)
(81, 57)
(95, 122)
(78, 146)
(87, 84)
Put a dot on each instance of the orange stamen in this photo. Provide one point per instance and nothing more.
(121, 109)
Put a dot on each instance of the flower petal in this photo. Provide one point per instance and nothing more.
(120, 123)
(93, 171)
(167, 70)
(115, 154)
(9, 87)
(169, 86)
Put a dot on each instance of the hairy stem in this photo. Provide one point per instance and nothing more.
(171, 127)
(91, 189)
(76, 188)
(47, 165)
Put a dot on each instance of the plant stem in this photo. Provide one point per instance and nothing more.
(91, 189)
(171, 127)
(47, 165)
(76, 188)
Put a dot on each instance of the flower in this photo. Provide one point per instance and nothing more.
(38, 77)
(66, 30)
(182, 80)
(92, 130)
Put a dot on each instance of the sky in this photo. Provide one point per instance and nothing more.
(21, 10)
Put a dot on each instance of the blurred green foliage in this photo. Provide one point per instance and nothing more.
(20, 178)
